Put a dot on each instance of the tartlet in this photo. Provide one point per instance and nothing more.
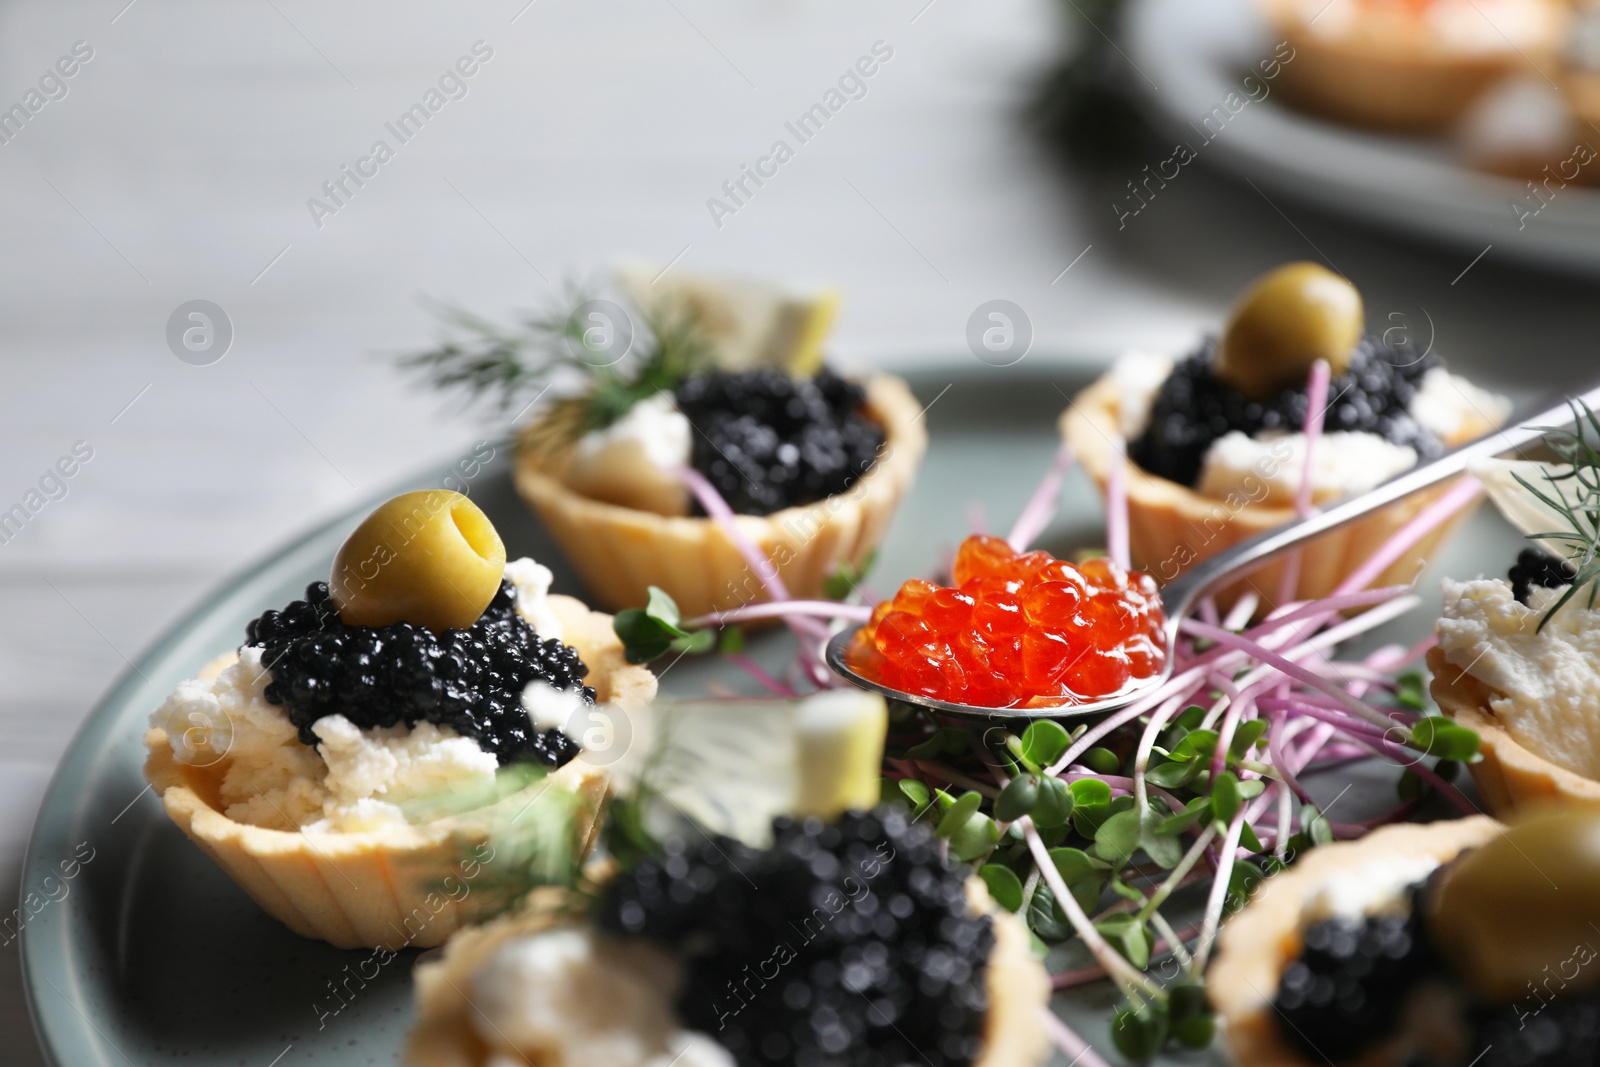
(1257, 944)
(1172, 525)
(369, 889)
(1406, 66)
(446, 1035)
(305, 805)
(621, 551)
(1509, 775)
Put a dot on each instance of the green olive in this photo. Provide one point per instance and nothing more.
(1286, 321)
(1518, 914)
(431, 558)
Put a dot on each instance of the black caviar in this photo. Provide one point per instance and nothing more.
(845, 944)
(1193, 408)
(768, 441)
(1351, 981)
(1355, 982)
(1537, 568)
(379, 676)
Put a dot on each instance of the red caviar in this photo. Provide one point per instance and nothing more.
(1017, 628)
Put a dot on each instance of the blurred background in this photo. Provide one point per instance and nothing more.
(995, 153)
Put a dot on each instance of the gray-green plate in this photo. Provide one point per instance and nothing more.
(152, 956)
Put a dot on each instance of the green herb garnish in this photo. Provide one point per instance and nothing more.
(511, 369)
(1575, 495)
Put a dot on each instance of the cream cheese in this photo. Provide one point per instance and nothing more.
(1372, 888)
(631, 462)
(1549, 679)
(575, 998)
(1268, 468)
(356, 779)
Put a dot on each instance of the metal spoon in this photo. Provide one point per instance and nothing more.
(1181, 595)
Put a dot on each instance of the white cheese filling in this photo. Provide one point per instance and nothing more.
(1373, 888)
(1267, 469)
(631, 462)
(1549, 678)
(574, 998)
(358, 779)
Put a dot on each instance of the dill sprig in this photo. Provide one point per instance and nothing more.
(1575, 495)
(510, 369)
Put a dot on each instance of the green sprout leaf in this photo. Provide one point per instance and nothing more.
(1412, 691)
(1245, 737)
(1129, 936)
(1091, 805)
(975, 838)
(1196, 746)
(947, 741)
(1055, 803)
(1018, 798)
(1162, 846)
(1173, 775)
(1435, 735)
(916, 793)
(1190, 1020)
(1116, 839)
(1225, 799)
(1196, 811)
(1101, 761)
(959, 814)
(652, 631)
(1043, 742)
(1044, 918)
(1138, 1033)
(1003, 884)
(847, 576)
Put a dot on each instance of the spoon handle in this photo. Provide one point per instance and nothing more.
(1183, 593)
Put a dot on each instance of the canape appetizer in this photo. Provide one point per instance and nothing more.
(1518, 658)
(1447, 944)
(1218, 439)
(1016, 629)
(1407, 64)
(715, 396)
(842, 937)
(361, 742)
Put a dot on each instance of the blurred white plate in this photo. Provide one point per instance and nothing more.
(1190, 54)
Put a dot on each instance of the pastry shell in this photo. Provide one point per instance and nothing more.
(1014, 1032)
(1170, 526)
(386, 888)
(1394, 74)
(1262, 940)
(1509, 775)
(620, 552)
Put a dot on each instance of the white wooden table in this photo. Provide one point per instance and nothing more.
(179, 163)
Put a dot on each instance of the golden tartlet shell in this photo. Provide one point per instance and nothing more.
(620, 552)
(1509, 775)
(381, 888)
(1171, 527)
(1263, 939)
(1395, 76)
(1014, 1032)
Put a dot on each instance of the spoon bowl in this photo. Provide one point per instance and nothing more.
(1181, 595)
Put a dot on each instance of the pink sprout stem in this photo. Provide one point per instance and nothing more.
(1041, 507)
(1076, 1049)
(1458, 496)
(768, 682)
(825, 609)
(1316, 410)
(1117, 504)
